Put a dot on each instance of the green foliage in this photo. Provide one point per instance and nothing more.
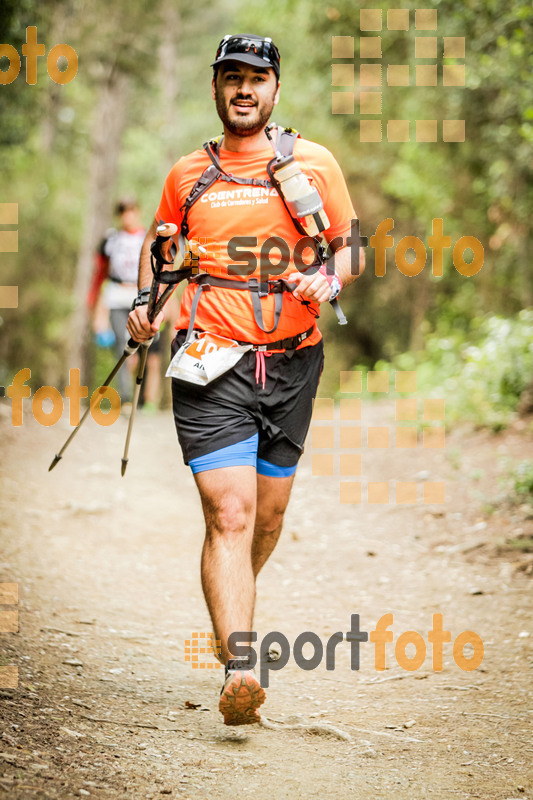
(522, 478)
(480, 371)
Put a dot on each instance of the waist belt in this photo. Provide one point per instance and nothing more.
(290, 343)
(257, 288)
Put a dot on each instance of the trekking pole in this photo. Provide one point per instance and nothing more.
(153, 309)
(131, 347)
(164, 232)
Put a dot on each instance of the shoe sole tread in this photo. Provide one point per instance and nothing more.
(240, 699)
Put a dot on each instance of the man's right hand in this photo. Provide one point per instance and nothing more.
(139, 327)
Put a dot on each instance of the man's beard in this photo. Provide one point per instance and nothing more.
(243, 126)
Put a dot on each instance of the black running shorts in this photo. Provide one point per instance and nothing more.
(235, 406)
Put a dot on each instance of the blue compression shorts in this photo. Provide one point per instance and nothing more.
(239, 454)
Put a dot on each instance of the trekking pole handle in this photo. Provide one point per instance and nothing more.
(166, 230)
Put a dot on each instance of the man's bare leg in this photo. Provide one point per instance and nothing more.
(229, 501)
(228, 498)
(243, 515)
(272, 499)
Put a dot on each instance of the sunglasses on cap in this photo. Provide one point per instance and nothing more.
(256, 51)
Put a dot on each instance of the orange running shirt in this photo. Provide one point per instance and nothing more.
(228, 210)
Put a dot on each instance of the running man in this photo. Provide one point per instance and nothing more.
(242, 433)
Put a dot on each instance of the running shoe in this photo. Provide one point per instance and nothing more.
(241, 695)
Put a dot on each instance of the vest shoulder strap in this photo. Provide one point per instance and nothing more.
(214, 172)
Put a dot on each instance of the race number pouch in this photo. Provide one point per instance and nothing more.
(205, 356)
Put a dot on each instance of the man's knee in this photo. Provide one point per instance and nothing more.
(228, 516)
(269, 522)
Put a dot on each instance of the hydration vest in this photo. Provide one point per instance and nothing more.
(215, 172)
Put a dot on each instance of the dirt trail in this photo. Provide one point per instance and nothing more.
(109, 590)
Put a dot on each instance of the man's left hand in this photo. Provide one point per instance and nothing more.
(311, 287)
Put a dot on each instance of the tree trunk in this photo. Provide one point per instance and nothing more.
(108, 127)
(169, 71)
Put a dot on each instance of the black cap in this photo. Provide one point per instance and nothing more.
(251, 49)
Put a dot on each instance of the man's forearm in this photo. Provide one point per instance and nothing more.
(346, 264)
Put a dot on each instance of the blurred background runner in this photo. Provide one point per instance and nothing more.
(113, 289)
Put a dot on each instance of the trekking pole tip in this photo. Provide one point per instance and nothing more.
(123, 467)
(56, 460)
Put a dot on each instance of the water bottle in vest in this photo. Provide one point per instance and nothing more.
(303, 200)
